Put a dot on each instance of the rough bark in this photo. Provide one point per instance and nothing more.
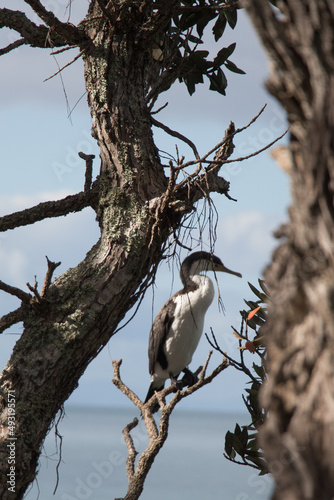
(137, 209)
(298, 437)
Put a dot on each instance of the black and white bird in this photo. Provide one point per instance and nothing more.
(178, 327)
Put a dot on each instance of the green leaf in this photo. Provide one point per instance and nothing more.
(228, 443)
(223, 54)
(232, 67)
(188, 20)
(259, 370)
(256, 292)
(259, 462)
(238, 445)
(263, 286)
(244, 436)
(237, 430)
(218, 82)
(203, 21)
(199, 58)
(194, 39)
(231, 16)
(219, 27)
(190, 83)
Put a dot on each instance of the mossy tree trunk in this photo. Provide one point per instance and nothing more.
(298, 437)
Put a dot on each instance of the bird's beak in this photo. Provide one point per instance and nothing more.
(224, 269)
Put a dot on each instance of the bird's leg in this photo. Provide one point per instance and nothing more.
(178, 384)
(189, 378)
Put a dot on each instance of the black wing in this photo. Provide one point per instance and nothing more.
(158, 334)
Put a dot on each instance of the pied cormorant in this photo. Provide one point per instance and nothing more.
(178, 327)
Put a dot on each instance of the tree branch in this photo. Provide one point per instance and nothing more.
(45, 210)
(56, 34)
(37, 300)
(13, 46)
(12, 318)
(70, 33)
(89, 170)
(17, 292)
(176, 134)
(37, 36)
(65, 66)
(157, 436)
(48, 277)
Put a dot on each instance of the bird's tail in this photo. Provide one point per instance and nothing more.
(154, 387)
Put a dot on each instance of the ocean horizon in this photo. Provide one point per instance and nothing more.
(191, 465)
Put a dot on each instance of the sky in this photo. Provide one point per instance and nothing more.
(39, 162)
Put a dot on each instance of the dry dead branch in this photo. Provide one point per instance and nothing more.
(157, 433)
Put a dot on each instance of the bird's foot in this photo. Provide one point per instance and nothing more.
(178, 384)
(189, 378)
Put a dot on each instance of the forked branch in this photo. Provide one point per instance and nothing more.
(157, 433)
(37, 299)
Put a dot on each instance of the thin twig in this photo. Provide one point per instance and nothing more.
(65, 66)
(242, 158)
(238, 365)
(176, 134)
(34, 290)
(159, 109)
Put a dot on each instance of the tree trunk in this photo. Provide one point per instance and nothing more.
(86, 304)
(136, 215)
(298, 437)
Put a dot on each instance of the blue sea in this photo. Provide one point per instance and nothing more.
(191, 465)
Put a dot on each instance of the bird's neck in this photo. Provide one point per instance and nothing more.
(200, 292)
(195, 281)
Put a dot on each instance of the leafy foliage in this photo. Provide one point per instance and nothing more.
(179, 44)
(241, 445)
(243, 441)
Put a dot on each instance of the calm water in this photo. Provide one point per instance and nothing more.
(191, 465)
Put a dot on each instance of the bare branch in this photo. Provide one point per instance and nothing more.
(18, 315)
(12, 46)
(34, 290)
(48, 277)
(89, 169)
(176, 134)
(70, 33)
(37, 36)
(65, 65)
(229, 134)
(44, 210)
(130, 463)
(11, 318)
(17, 292)
(122, 387)
(157, 437)
(242, 158)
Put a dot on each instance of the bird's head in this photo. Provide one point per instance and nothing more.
(197, 262)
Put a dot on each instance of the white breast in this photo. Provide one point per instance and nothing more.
(187, 326)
